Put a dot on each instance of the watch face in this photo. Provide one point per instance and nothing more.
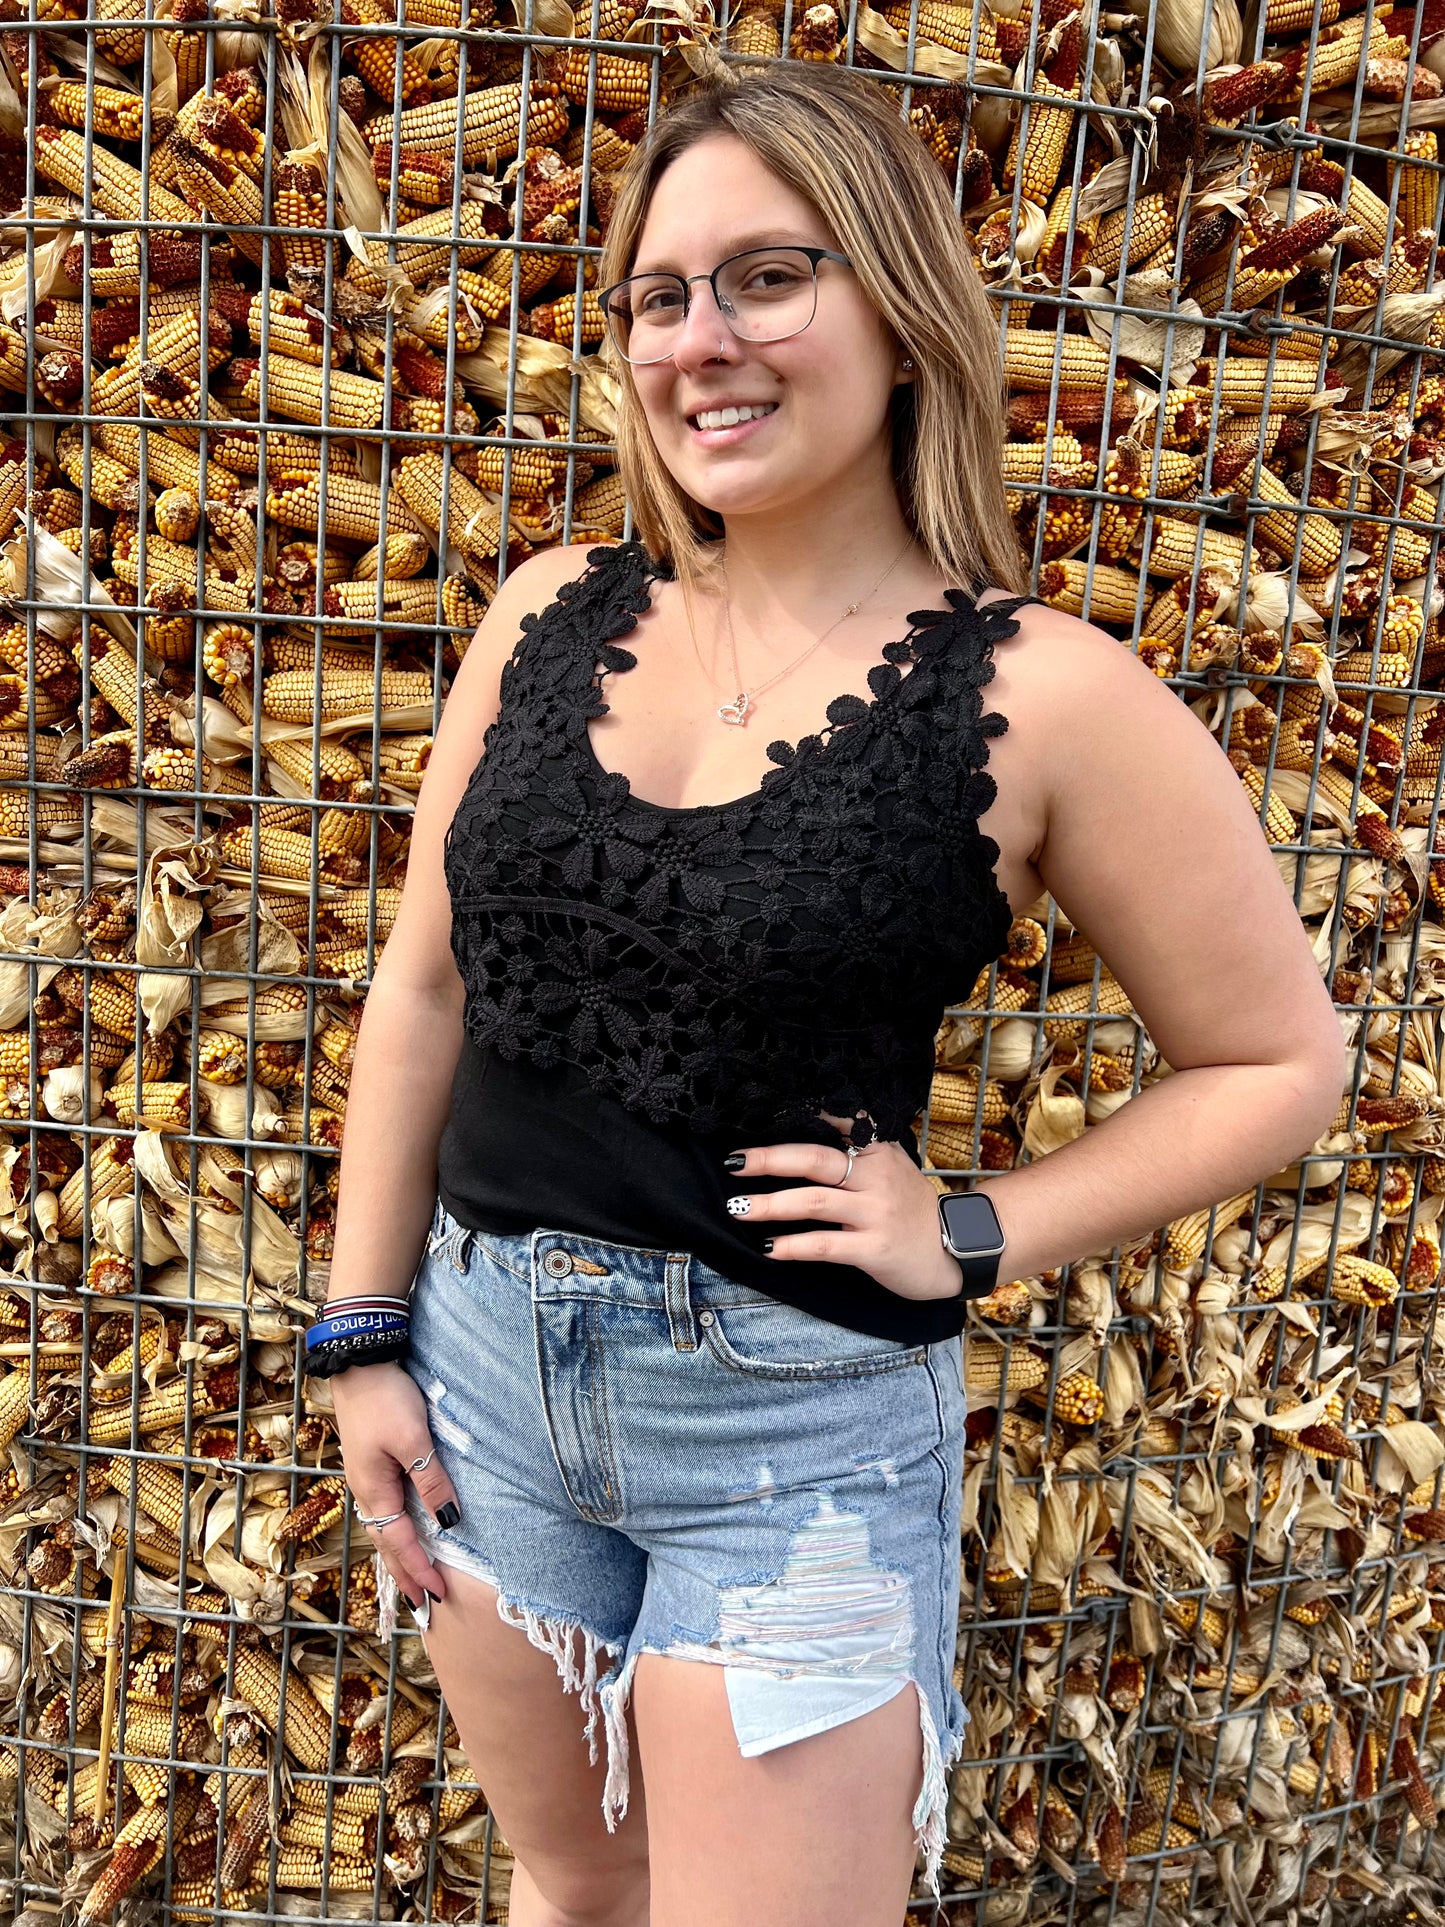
(972, 1222)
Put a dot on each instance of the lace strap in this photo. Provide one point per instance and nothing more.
(993, 623)
(560, 645)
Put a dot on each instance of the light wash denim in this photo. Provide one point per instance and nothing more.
(665, 1461)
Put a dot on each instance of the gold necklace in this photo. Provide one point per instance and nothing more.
(736, 711)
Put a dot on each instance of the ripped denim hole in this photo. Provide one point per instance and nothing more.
(832, 1621)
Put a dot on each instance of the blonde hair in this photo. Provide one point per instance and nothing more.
(840, 142)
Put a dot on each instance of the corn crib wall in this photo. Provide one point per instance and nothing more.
(299, 353)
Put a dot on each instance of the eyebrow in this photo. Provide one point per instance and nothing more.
(759, 238)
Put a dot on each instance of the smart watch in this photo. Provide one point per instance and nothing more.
(969, 1227)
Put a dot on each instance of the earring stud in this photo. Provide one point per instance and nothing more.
(908, 361)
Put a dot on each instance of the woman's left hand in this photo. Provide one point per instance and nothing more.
(887, 1211)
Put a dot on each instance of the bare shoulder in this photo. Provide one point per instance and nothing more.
(1152, 847)
(533, 584)
(1063, 684)
(530, 587)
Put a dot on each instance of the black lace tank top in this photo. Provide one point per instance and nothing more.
(648, 988)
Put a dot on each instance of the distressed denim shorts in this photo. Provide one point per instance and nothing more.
(665, 1461)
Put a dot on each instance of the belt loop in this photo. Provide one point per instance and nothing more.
(681, 1321)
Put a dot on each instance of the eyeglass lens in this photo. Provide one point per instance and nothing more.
(765, 295)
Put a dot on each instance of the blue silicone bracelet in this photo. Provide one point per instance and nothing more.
(357, 1324)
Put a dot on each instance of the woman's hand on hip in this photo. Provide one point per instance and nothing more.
(386, 1440)
(887, 1213)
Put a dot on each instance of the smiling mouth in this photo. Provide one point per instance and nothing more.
(714, 418)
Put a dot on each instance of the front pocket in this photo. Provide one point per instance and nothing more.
(777, 1341)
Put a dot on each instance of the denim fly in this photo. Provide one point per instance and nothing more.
(662, 1460)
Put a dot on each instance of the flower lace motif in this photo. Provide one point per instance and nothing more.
(747, 965)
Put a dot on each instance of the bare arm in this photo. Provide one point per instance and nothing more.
(411, 1033)
(1153, 850)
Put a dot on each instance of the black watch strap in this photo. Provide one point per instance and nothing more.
(980, 1273)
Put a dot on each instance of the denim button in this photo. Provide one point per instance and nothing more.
(704, 1318)
(557, 1264)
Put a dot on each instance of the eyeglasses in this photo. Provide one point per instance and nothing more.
(764, 294)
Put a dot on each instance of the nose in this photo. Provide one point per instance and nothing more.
(703, 329)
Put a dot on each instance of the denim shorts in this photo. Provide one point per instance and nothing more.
(664, 1461)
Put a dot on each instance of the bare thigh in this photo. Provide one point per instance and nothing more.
(813, 1833)
(524, 1737)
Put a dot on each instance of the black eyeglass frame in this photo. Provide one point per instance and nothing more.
(685, 281)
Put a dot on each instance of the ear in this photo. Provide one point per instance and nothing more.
(905, 372)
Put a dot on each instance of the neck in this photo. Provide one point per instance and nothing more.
(793, 572)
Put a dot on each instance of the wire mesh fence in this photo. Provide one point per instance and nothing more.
(300, 352)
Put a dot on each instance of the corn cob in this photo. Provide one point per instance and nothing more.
(138, 1846)
(307, 1730)
(176, 345)
(1289, 528)
(1149, 227)
(1175, 543)
(14, 1405)
(365, 605)
(291, 697)
(1360, 1281)
(601, 505)
(992, 1369)
(158, 1492)
(401, 558)
(1113, 594)
(472, 524)
(490, 124)
(286, 853)
(109, 110)
(291, 329)
(162, 1107)
(1036, 155)
(352, 507)
(1418, 202)
(168, 464)
(65, 156)
(1026, 462)
(427, 246)
(295, 389)
(214, 1391)
(1029, 360)
(1185, 1239)
(1241, 385)
(299, 204)
(1069, 1007)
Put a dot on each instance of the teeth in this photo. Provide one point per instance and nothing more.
(730, 417)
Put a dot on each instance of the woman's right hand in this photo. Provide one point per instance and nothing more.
(381, 1418)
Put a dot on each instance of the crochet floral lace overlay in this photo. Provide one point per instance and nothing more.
(747, 965)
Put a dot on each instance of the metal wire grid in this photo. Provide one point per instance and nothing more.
(997, 1645)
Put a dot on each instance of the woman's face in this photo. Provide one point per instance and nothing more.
(830, 427)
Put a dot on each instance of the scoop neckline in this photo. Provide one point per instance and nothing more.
(815, 742)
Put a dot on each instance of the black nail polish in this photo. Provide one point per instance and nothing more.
(735, 1160)
(449, 1515)
(767, 1244)
(429, 1593)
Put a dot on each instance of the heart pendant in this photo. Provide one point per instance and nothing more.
(736, 711)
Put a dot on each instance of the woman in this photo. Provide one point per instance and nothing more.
(632, 1097)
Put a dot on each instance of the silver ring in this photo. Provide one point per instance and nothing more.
(420, 1465)
(383, 1519)
(838, 1183)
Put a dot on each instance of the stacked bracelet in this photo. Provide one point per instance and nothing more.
(372, 1330)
